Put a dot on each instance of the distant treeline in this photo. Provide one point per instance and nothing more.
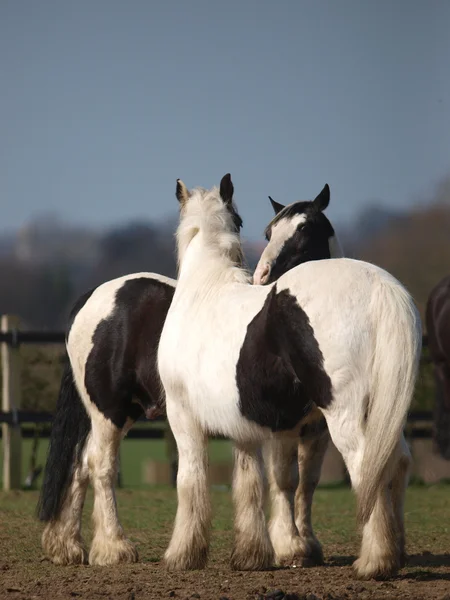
(47, 265)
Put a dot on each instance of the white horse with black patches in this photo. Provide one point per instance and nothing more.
(110, 379)
(251, 364)
(299, 232)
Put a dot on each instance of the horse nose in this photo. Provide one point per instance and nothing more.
(261, 275)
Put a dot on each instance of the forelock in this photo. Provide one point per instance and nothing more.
(289, 212)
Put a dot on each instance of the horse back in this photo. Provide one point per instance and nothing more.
(113, 341)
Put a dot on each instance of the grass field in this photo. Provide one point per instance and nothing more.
(133, 455)
(147, 516)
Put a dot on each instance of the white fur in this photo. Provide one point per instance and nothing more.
(281, 232)
(109, 545)
(366, 326)
(62, 539)
(98, 307)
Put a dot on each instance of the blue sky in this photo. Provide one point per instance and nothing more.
(104, 103)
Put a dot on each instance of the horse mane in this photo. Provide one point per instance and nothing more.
(206, 214)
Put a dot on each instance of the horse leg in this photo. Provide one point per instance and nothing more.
(189, 545)
(441, 425)
(61, 538)
(311, 451)
(252, 550)
(109, 545)
(380, 553)
(399, 484)
(281, 460)
(380, 548)
(66, 477)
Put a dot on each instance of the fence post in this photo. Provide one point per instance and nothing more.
(11, 391)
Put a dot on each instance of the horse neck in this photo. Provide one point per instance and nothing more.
(335, 247)
(207, 265)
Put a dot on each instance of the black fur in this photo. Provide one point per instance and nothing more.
(226, 193)
(122, 363)
(309, 242)
(226, 189)
(277, 207)
(322, 200)
(70, 429)
(180, 192)
(280, 370)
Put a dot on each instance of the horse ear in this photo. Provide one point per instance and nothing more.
(226, 189)
(323, 199)
(277, 207)
(182, 192)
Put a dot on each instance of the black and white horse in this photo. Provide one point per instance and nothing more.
(438, 329)
(299, 232)
(250, 362)
(109, 381)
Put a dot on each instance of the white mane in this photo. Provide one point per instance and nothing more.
(206, 218)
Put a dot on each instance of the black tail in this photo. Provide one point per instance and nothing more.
(70, 429)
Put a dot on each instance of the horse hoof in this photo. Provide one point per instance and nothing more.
(112, 552)
(62, 550)
(259, 558)
(374, 569)
(73, 554)
(189, 561)
(298, 551)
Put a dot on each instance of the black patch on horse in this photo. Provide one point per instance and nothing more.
(280, 370)
(122, 363)
(309, 242)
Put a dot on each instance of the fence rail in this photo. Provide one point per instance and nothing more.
(15, 337)
(153, 433)
(12, 418)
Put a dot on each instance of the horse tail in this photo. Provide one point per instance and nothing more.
(70, 429)
(395, 364)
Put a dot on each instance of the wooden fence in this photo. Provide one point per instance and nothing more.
(12, 417)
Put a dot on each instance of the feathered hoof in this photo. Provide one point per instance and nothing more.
(189, 560)
(62, 550)
(259, 557)
(375, 569)
(108, 552)
(299, 552)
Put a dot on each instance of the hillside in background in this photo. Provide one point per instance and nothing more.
(414, 245)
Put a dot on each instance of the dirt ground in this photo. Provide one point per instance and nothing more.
(26, 574)
(429, 578)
